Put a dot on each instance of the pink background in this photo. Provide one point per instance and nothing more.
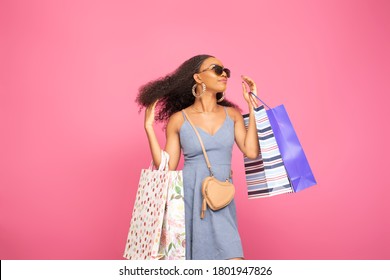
(73, 144)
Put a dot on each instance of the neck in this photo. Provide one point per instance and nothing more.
(205, 104)
(202, 107)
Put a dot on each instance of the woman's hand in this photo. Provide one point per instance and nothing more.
(149, 115)
(252, 101)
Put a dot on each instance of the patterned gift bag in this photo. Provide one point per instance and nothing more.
(144, 235)
(266, 175)
(172, 245)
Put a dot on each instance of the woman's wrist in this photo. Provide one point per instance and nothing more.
(250, 107)
(149, 128)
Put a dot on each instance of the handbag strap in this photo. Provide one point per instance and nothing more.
(201, 143)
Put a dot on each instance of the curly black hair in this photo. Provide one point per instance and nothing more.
(174, 91)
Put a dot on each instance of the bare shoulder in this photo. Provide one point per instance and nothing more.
(175, 121)
(234, 113)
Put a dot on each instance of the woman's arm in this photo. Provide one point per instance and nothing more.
(155, 148)
(172, 146)
(247, 140)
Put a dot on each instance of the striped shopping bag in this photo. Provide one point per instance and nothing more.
(266, 175)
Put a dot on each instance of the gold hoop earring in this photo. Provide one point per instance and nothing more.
(194, 92)
(222, 98)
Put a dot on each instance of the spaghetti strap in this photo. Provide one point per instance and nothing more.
(226, 111)
(184, 116)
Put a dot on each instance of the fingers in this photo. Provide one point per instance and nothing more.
(152, 106)
(244, 88)
(149, 114)
(247, 79)
(250, 82)
(252, 86)
(149, 111)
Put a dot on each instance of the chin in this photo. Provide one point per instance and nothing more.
(221, 89)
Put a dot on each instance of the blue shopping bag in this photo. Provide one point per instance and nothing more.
(294, 158)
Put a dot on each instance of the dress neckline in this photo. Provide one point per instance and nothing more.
(203, 130)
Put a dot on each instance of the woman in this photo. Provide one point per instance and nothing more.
(198, 87)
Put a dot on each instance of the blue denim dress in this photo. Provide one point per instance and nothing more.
(215, 237)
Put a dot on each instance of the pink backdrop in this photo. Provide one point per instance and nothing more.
(73, 144)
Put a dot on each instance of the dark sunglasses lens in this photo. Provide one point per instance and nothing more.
(227, 71)
(219, 70)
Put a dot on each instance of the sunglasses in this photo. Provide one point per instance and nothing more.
(218, 70)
